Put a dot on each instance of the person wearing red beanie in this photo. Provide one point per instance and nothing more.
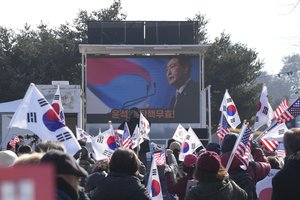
(213, 180)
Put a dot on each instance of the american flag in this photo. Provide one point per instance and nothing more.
(270, 145)
(292, 112)
(126, 138)
(14, 141)
(243, 151)
(280, 153)
(281, 108)
(223, 128)
(159, 157)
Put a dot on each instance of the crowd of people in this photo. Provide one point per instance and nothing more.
(199, 176)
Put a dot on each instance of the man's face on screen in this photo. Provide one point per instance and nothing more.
(175, 72)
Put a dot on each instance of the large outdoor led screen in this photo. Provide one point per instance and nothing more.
(116, 84)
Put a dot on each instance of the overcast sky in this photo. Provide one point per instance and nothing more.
(271, 27)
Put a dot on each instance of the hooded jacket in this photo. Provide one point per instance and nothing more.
(221, 190)
(286, 182)
(117, 186)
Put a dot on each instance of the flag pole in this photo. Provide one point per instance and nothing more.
(274, 123)
(236, 144)
(220, 124)
(138, 143)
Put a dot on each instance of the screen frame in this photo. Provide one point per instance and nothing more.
(197, 49)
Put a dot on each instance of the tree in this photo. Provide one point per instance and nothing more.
(285, 84)
(234, 67)
(290, 72)
(202, 31)
(7, 41)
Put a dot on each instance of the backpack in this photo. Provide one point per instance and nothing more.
(246, 182)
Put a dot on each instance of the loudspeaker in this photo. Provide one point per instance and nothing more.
(151, 34)
(162, 32)
(174, 32)
(188, 32)
(134, 32)
(94, 32)
(113, 33)
(168, 32)
(202, 134)
(142, 32)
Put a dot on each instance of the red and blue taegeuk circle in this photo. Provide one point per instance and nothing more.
(259, 106)
(111, 142)
(52, 121)
(231, 110)
(155, 188)
(186, 147)
(56, 107)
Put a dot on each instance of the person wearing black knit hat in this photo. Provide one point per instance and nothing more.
(213, 147)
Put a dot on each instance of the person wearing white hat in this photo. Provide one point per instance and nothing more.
(7, 158)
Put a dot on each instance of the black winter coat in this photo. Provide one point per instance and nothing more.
(286, 182)
(120, 186)
(222, 190)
